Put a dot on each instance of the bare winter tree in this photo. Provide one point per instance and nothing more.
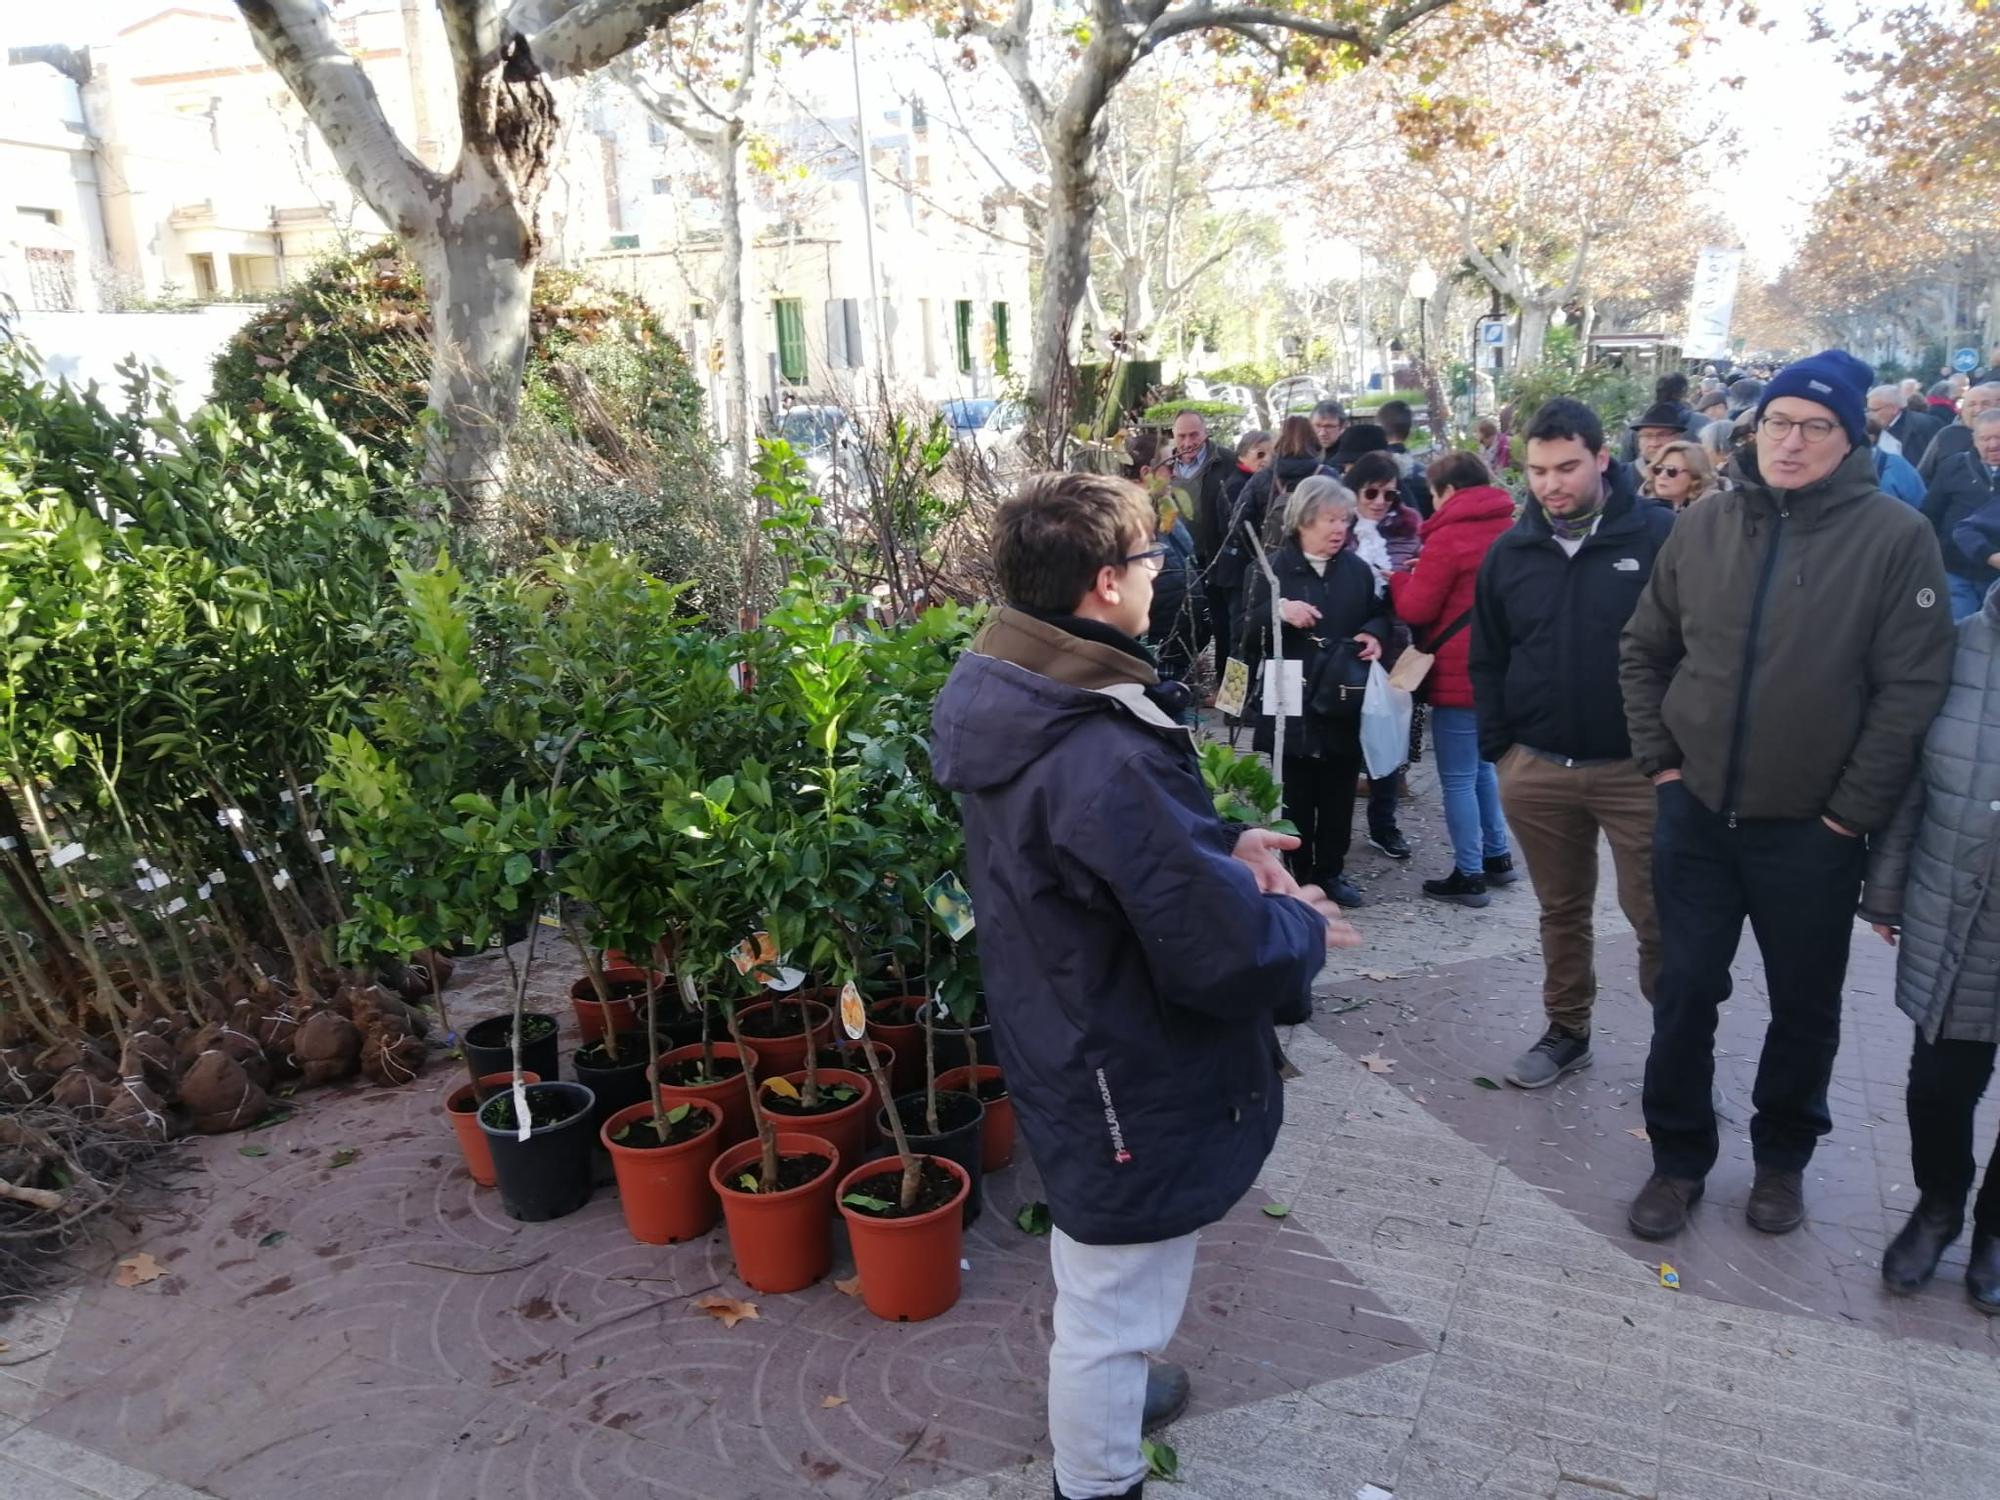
(1066, 101)
(472, 229)
(709, 84)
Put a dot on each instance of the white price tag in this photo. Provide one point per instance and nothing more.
(249, 856)
(282, 879)
(285, 796)
(524, 1126)
(229, 817)
(179, 903)
(326, 856)
(204, 890)
(69, 854)
(215, 877)
(7, 843)
(315, 836)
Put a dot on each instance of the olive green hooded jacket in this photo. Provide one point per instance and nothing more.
(1791, 648)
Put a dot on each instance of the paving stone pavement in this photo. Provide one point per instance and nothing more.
(1451, 1309)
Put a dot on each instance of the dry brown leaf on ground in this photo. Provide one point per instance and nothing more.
(830, 1402)
(1377, 1063)
(1639, 1132)
(728, 1311)
(137, 1270)
(849, 1287)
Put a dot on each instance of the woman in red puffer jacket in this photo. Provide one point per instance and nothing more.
(1434, 597)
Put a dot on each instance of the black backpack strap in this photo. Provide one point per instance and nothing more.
(1449, 631)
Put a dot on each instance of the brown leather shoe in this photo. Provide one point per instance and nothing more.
(1661, 1209)
(1777, 1201)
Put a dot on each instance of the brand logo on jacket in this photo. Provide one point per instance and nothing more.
(1119, 1154)
(1926, 598)
(1626, 565)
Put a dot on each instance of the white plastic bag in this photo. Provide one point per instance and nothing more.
(1385, 725)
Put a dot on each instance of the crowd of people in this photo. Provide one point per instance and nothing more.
(1741, 655)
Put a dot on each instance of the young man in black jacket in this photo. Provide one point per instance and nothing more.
(1553, 595)
(1133, 946)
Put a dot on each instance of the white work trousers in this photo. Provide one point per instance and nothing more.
(1115, 1304)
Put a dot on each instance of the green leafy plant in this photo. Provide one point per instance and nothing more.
(1243, 787)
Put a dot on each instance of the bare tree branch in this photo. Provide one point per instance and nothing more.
(296, 39)
(589, 34)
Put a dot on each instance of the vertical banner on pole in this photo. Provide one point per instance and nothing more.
(1711, 303)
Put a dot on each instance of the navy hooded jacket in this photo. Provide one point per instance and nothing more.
(1131, 965)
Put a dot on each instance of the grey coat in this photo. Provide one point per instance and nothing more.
(1935, 870)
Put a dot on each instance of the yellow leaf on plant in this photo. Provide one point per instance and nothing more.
(781, 1088)
(728, 1311)
(137, 1270)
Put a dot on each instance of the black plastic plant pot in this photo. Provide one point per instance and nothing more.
(951, 1044)
(960, 1117)
(615, 1085)
(549, 1174)
(488, 1045)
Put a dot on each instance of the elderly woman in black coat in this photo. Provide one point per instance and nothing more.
(1334, 624)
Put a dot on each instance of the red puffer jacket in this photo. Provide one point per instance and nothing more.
(1438, 588)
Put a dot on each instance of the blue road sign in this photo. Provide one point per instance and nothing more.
(1493, 333)
(1965, 361)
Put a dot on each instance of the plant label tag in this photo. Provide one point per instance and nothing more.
(178, 904)
(229, 817)
(758, 951)
(950, 904)
(216, 877)
(315, 836)
(853, 1014)
(282, 879)
(1235, 689)
(7, 843)
(1284, 688)
(785, 980)
(249, 856)
(524, 1127)
(204, 890)
(326, 856)
(69, 854)
(285, 796)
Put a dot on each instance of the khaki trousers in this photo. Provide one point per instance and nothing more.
(1556, 813)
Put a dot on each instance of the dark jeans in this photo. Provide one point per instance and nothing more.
(1947, 1080)
(1382, 805)
(1225, 613)
(1798, 883)
(1319, 799)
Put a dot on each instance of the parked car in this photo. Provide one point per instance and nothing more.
(966, 415)
(825, 437)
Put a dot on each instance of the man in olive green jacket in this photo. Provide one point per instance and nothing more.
(1788, 655)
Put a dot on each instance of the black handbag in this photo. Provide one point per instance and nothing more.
(1338, 684)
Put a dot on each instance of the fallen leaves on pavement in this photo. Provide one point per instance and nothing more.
(1377, 1063)
(728, 1311)
(137, 1270)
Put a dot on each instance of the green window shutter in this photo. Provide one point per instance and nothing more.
(963, 328)
(791, 339)
(1000, 352)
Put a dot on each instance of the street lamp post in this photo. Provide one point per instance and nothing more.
(1423, 285)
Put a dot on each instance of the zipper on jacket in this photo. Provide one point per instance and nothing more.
(1732, 780)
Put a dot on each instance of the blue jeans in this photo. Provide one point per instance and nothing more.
(1967, 597)
(1471, 791)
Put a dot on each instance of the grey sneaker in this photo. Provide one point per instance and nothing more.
(1557, 1053)
(1166, 1395)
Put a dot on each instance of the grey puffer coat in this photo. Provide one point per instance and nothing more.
(1935, 870)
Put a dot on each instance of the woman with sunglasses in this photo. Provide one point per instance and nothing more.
(1681, 475)
(1333, 620)
(1385, 534)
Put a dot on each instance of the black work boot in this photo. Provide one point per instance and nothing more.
(1913, 1255)
(1661, 1209)
(1982, 1276)
(1777, 1201)
(1166, 1396)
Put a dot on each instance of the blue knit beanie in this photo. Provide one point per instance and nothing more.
(1836, 380)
